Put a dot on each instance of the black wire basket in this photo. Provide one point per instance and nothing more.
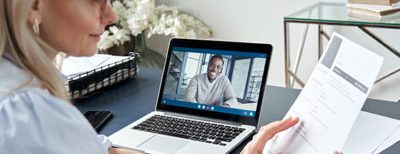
(88, 83)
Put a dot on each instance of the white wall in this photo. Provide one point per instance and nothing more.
(262, 21)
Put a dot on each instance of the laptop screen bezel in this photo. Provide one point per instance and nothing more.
(217, 45)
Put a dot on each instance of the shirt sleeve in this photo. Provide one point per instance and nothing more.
(105, 141)
(33, 121)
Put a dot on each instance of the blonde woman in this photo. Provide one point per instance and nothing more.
(35, 114)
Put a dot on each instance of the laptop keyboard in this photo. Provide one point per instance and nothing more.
(190, 129)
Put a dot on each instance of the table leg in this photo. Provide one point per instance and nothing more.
(379, 40)
(320, 41)
(391, 49)
(287, 53)
(299, 54)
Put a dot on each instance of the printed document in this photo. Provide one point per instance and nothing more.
(331, 100)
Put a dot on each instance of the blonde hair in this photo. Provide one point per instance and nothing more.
(26, 49)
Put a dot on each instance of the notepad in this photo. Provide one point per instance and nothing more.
(372, 10)
(73, 66)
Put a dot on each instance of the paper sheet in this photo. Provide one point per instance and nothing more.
(368, 132)
(75, 65)
(331, 100)
(392, 139)
(113, 59)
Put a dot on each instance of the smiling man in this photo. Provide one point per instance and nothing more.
(211, 88)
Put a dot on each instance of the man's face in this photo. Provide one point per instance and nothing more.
(214, 68)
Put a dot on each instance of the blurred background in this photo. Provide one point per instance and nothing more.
(262, 21)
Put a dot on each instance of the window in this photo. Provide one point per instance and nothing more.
(239, 76)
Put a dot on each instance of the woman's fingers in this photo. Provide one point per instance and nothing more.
(266, 133)
(338, 152)
(269, 131)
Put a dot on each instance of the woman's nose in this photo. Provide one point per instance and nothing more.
(109, 16)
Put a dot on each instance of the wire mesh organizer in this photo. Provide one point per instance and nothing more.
(88, 83)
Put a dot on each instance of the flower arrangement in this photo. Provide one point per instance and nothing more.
(138, 17)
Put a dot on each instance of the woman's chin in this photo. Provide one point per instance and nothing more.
(87, 53)
(91, 53)
(82, 54)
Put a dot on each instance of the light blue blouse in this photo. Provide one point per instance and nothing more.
(34, 121)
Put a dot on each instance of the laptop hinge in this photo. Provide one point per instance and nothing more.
(203, 118)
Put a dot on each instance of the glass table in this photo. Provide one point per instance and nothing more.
(331, 14)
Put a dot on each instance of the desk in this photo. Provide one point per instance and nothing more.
(135, 98)
(330, 14)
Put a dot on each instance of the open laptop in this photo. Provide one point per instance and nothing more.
(184, 121)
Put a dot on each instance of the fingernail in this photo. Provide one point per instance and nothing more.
(296, 118)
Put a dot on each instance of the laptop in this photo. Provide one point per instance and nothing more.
(209, 99)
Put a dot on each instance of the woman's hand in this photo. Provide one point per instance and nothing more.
(267, 132)
(122, 151)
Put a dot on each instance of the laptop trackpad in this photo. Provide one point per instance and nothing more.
(163, 144)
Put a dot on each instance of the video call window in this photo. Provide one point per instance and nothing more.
(242, 76)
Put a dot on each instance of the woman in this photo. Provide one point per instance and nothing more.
(35, 115)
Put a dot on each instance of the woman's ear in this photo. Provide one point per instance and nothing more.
(34, 16)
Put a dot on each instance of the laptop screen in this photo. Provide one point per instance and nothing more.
(215, 80)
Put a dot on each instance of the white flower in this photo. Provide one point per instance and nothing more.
(142, 16)
(191, 34)
(114, 30)
(104, 43)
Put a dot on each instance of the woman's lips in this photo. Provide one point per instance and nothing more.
(96, 37)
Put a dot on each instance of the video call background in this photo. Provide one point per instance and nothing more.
(245, 74)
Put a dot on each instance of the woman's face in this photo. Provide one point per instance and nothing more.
(74, 26)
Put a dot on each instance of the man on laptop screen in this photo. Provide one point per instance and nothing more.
(212, 87)
(217, 80)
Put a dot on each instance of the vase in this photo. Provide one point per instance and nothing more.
(122, 49)
(148, 57)
(140, 43)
